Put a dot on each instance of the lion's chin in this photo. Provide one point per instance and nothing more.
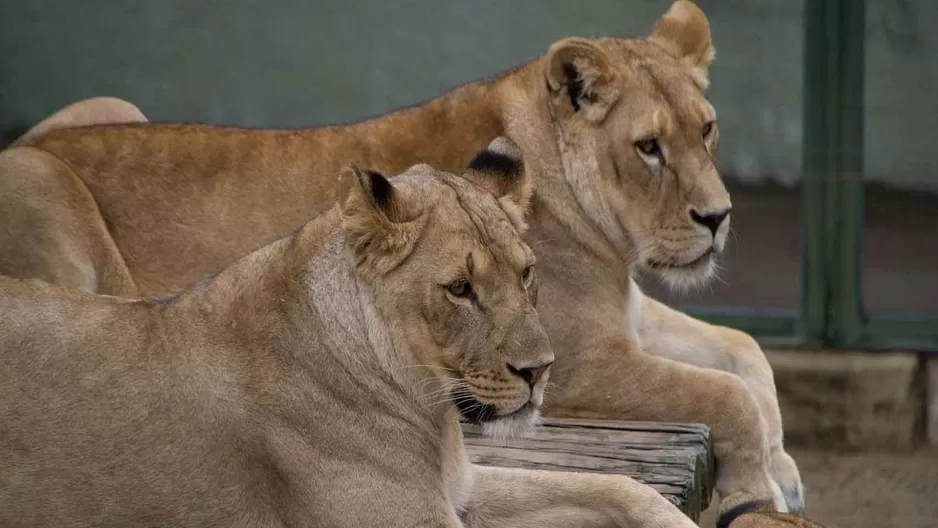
(494, 425)
(686, 277)
(514, 425)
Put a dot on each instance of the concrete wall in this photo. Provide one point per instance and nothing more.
(300, 63)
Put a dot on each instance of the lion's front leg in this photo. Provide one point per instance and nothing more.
(520, 498)
(665, 332)
(607, 377)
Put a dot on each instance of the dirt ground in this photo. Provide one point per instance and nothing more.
(867, 490)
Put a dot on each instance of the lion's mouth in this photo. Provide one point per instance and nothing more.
(476, 412)
(472, 410)
(697, 262)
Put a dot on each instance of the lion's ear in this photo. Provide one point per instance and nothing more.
(684, 32)
(380, 227)
(499, 168)
(580, 79)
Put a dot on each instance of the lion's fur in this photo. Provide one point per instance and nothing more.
(311, 383)
(762, 515)
(146, 209)
(773, 520)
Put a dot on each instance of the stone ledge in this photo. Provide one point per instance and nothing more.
(850, 400)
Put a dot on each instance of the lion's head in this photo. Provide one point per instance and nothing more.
(456, 282)
(639, 138)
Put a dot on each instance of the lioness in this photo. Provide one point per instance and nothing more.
(314, 382)
(621, 140)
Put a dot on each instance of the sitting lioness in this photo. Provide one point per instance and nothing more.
(620, 139)
(314, 382)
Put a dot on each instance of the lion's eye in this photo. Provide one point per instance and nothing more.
(527, 275)
(648, 147)
(707, 129)
(461, 288)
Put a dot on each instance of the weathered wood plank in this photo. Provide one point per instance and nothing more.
(674, 459)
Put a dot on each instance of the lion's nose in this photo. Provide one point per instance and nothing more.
(530, 374)
(710, 220)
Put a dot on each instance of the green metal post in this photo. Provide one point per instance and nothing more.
(820, 118)
(849, 324)
(834, 155)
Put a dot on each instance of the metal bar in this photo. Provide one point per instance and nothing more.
(848, 321)
(819, 116)
(904, 332)
(772, 328)
(853, 327)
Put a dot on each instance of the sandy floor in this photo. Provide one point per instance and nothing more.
(867, 490)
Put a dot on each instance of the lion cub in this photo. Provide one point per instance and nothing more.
(315, 382)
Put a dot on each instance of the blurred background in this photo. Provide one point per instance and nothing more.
(823, 105)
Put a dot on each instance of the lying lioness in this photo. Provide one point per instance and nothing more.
(314, 382)
(621, 139)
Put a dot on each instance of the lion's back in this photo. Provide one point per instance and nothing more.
(203, 194)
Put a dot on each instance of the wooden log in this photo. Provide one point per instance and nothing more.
(674, 459)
